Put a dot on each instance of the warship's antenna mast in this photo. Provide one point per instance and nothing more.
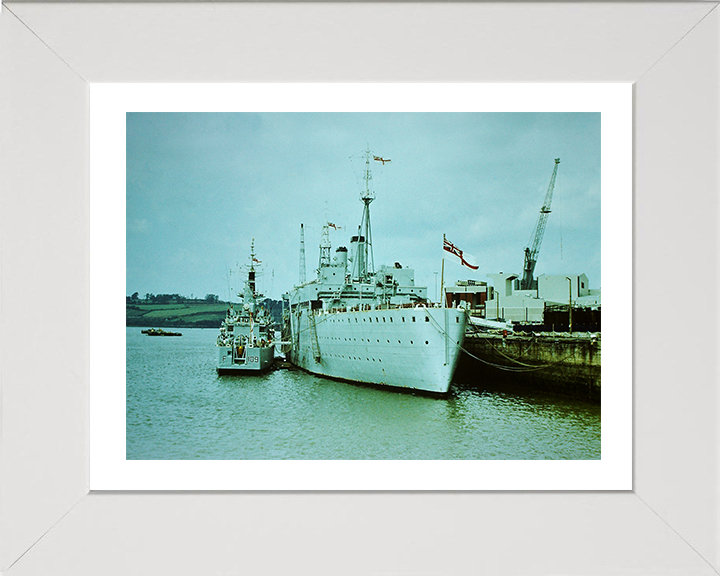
(325, 246)
(302, 254)
(367, 196)
(251, 272)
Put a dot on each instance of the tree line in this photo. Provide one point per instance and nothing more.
(170, 299)
(274, 307)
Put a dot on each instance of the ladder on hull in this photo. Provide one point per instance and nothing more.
(313, 336)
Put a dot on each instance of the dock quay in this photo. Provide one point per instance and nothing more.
(557, 363)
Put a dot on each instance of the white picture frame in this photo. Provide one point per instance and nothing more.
(51, 52)
(109, 468)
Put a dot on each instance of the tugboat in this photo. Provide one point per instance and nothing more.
(160, 332)
(245, 343)
(372, 327)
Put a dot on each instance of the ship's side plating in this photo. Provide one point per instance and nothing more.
(414, 347)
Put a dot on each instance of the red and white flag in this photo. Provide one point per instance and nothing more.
(465, 259)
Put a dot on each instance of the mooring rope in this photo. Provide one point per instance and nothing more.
(519, 369)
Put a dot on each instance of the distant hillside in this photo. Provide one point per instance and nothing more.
(188, 314)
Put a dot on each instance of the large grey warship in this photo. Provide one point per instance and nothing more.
(375, 327)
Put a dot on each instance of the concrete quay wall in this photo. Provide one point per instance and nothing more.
(560, 364)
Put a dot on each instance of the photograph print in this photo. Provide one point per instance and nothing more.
(363, 286)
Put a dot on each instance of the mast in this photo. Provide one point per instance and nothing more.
(250, 294)
(302, 254)
(364, 264)
(325, 246)
(442, 277)
(251, 271)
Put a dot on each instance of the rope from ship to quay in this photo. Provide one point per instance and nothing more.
(510, 358)
(521, 368)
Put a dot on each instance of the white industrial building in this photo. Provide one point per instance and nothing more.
(508, 302)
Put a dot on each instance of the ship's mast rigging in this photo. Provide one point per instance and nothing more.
(531, 253)
(302, 254)
(251, 271)
(363, 263)
(325, 246)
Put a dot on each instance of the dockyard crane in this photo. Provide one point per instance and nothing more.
(531, 253)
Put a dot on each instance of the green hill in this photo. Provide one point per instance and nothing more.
(189, 314)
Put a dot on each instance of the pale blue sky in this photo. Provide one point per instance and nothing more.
(200, 186)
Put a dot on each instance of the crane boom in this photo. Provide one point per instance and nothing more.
(531, 253)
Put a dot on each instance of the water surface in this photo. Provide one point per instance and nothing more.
(179, 408)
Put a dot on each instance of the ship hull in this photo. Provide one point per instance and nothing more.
(411, 348)
(252, 360)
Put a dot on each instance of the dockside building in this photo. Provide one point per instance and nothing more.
(505, 301)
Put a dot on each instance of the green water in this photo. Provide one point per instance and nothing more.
(178, 408)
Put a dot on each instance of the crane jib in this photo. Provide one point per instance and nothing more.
(531, 254)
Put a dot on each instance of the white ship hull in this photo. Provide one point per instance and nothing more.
(414, 348)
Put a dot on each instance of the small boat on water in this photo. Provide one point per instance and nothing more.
(245, 343)
(160, 332)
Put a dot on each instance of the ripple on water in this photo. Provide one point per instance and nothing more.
(179, 408)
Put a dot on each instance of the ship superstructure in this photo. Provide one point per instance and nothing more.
(377, 327)
(245, 342)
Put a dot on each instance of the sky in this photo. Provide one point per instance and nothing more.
(202, 186)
